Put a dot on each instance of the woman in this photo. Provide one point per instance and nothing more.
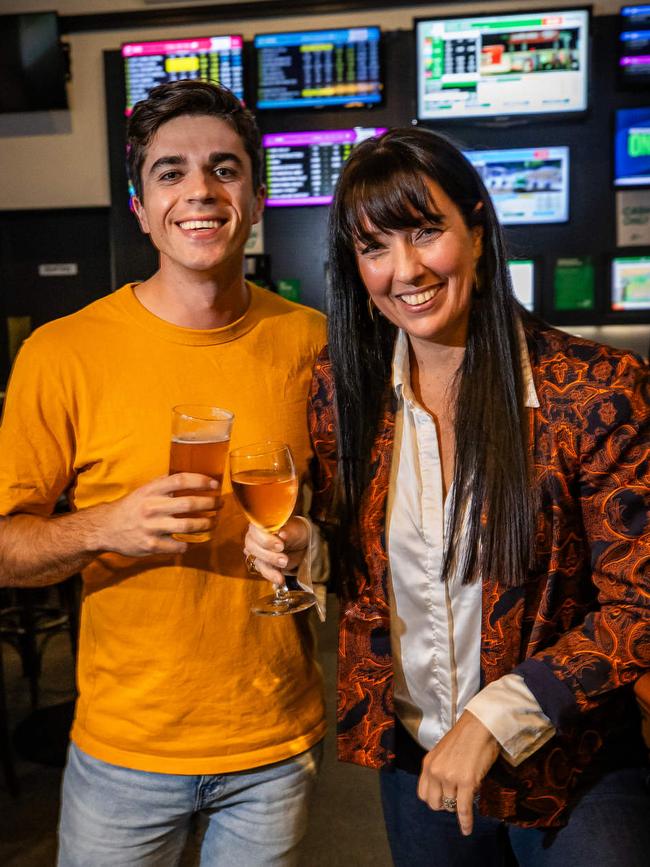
(493, 497)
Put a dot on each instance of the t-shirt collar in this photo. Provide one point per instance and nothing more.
(191, 336)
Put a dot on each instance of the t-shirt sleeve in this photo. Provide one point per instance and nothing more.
(36, 434)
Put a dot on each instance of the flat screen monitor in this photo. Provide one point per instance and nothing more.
(302, 167)
(630, 286)
(574, 284)
(522, 274)
(32, 63)
(527, 185)
(634, 46)
(208, 58)
(502, 65)
(317, 68)
(632, 147)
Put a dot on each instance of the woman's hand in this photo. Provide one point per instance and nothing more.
(272, 555)
(455, 767)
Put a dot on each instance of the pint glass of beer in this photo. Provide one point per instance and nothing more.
(200, 440)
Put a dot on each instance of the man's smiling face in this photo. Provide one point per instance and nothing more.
(198, 202)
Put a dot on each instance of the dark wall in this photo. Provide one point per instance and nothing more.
(109, 249)
(32, 238)
(296, 237)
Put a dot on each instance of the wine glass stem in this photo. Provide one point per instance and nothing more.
(281, 592)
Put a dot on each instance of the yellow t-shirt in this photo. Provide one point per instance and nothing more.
(175, 674)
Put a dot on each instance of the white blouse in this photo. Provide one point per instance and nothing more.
(436, 625)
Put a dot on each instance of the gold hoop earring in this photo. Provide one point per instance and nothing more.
(371, 308)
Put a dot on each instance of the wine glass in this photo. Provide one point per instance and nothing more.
(264, 481)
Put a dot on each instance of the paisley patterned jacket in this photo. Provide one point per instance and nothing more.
(579, 630)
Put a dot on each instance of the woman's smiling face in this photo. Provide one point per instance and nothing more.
(422, 278)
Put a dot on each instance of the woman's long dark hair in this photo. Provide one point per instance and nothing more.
(383, 187)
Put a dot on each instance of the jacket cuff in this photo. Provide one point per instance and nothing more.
(553, 696)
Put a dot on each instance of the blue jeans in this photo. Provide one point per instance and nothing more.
(608, 827)
(114, 817)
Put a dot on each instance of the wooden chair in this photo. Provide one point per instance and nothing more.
(29, 618)
(6, 754)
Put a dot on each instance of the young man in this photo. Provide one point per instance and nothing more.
(188, 703)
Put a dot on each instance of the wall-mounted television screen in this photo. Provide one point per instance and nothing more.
(630, 283)
(209, 58)
(502, 65)
(522, 274)
(574, 284)
(302, 167)
(317, 68)
(634, 46)
(32, 63)
(632, 147)
(527, 185)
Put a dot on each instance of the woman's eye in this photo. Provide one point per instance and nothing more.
(427, 233)
(370, 250)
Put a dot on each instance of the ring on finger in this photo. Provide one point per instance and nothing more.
(250, 564)
(449, 804)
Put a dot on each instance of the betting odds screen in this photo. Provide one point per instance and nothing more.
(634, 45)
(210, 58)
(527, 185)
(302, 167)
(318, 68)
(502, 65)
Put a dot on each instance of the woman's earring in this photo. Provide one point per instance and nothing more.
(371, 308)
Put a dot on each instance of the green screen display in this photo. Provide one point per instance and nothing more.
(574, 284)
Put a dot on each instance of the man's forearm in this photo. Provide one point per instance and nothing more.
(36, 551)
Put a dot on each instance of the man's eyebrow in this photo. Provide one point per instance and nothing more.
(165, 161)
(224, 157)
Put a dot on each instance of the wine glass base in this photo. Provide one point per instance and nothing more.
(291, 603)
